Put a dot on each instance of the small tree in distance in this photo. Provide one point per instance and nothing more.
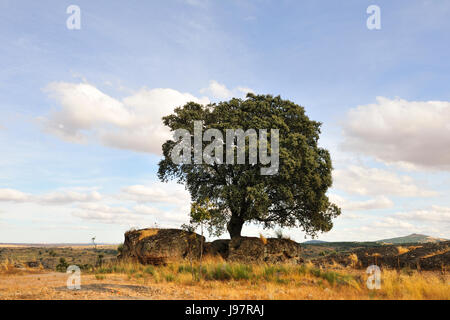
(93, 242)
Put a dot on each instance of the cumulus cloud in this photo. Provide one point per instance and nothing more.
(217, 90)
(415, 134)
(433, 214)
(105, 214)
(380, 202)
(143, 215)
(434, 220)
(166, 204)
(377, 182)
(69, 197)
(392, 223)
(13, 195)
(87, 114)
(157, 193)
(58, 197)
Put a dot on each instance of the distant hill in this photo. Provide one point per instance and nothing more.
(412, 238)
(314, 241)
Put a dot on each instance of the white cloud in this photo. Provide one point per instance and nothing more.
(69, 197)
(414, 134)
(434, 221)
(217, 90)
(147, 210)
(58, 197)
(380, 202)
(13, 195)
(134, 123)
(168, 204)
(105, 214)
(172, 193)
(377, 182)
(392, 223)
(436, 214)
(142, 215)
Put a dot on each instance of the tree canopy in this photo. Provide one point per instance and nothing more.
(238, 193)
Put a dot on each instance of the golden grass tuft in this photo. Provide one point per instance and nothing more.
(263, 239)
(354, 260)
(402, 250)
(147, 233)
(436, 253)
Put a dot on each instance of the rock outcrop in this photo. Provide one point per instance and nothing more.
(218, 248)
(160, 246)
(256, 250)
(423, 256)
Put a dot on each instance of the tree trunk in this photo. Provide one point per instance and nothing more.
(234, 226)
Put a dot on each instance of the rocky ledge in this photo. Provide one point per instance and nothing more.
(160, 246)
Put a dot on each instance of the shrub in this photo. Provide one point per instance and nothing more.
(100, 277)
(242, 272)
(120, 248)
(169, 277)
(62, 266)
(149, 270)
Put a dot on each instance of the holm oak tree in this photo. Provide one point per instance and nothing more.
(238, 193)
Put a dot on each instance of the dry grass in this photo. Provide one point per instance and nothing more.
(436, 253)
(241, 281)
(147, 233)
(418, 285)
(402, 250)
(8, 268)
(263, 239)
(221, 280)
(354, 260)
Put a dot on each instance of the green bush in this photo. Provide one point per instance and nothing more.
(120, 248)
(62, 266)
(149, 270)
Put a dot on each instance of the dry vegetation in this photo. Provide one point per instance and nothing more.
(220, 280)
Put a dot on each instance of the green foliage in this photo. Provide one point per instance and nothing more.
(149, 270)
(229, 272)
(99, 260)
(100, 277)
(294, 197)
(169, 277)
(62, 266)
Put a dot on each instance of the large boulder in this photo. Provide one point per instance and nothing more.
(160, 246)
(257, 250)
(218, 248)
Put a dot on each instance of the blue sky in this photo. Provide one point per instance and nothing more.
(72, 167)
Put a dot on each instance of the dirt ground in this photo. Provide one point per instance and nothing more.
(52, 285)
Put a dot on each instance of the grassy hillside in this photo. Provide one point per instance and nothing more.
(412, 238)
